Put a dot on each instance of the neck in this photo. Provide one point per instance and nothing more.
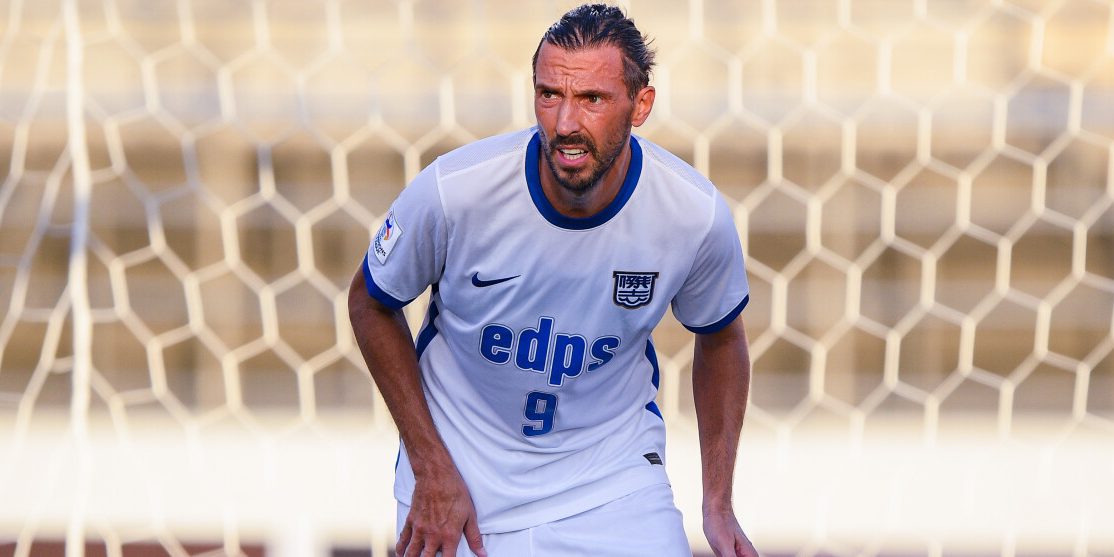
(591, 200)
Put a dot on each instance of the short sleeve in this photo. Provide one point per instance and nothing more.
(716, 289)
(407, 254)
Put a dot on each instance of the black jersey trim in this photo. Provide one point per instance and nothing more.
(534, 183)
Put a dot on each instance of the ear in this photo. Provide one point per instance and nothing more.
(643, 103)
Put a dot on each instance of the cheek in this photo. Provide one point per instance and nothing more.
(545, 115)
(616, 127)
(600, 125)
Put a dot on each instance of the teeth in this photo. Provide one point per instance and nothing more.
(573, 152)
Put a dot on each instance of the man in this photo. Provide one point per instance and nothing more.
(526, 406)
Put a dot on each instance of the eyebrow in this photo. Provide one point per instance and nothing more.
(539, 84)
(543, 88)
(594, 92)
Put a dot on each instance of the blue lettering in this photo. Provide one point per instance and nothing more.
(568, 358)
(602, 352)
(495, 343)
(532, 352)
(543, 350)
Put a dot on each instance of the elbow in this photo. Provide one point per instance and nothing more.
(358, 299)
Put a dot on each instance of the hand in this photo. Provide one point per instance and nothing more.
(440, 511)
(726, 536)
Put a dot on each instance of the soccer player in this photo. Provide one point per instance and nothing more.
(526, 404)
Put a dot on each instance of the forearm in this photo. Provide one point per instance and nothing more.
(388, 350)
(440, 508)
(721, 383)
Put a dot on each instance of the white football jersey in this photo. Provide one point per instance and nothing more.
(535, 354)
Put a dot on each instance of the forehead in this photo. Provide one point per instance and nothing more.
(598, 66)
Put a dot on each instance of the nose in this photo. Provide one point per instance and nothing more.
(568, 118)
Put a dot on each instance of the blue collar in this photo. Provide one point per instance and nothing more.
(534, 183)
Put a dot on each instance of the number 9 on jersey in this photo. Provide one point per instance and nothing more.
(540, 407)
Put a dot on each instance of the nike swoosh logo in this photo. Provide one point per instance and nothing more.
(480, 283)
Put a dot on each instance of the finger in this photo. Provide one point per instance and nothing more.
(473, 537)
(448, 549)
(725, 548)
(740, 550)
(404, 539)
(743, 548)
(416, 549)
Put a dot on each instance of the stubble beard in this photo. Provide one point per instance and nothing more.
(583, 182)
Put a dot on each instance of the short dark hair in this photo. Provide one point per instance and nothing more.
(592, 25)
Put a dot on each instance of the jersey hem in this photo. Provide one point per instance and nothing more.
(719, 325)
(578, 500)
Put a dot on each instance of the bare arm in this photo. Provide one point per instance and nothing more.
(441, 508)
(720, 385)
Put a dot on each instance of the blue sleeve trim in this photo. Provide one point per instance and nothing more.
(727, 319)
(374, 291)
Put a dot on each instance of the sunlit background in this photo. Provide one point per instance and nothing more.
(924, 190)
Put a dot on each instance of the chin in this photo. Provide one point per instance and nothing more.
(576, 184)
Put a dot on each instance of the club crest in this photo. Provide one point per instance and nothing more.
(632, 289)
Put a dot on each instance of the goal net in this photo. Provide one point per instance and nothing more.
(924, 190)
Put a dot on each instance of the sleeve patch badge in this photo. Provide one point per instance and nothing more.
(633, 289)
(385, 239)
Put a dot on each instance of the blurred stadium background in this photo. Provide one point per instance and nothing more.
(924, 189)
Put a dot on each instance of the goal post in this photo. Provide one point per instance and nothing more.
(924, 191)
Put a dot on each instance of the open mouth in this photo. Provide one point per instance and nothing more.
(572, 155)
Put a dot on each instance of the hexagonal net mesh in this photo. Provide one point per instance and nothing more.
(924, 189)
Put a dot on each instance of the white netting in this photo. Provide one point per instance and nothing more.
(925, 192)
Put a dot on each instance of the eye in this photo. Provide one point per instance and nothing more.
(548, 95)
(594, 99)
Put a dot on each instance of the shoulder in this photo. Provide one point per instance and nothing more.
(508, 148)
(680, 189)
(678, 173)
(483, 174)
